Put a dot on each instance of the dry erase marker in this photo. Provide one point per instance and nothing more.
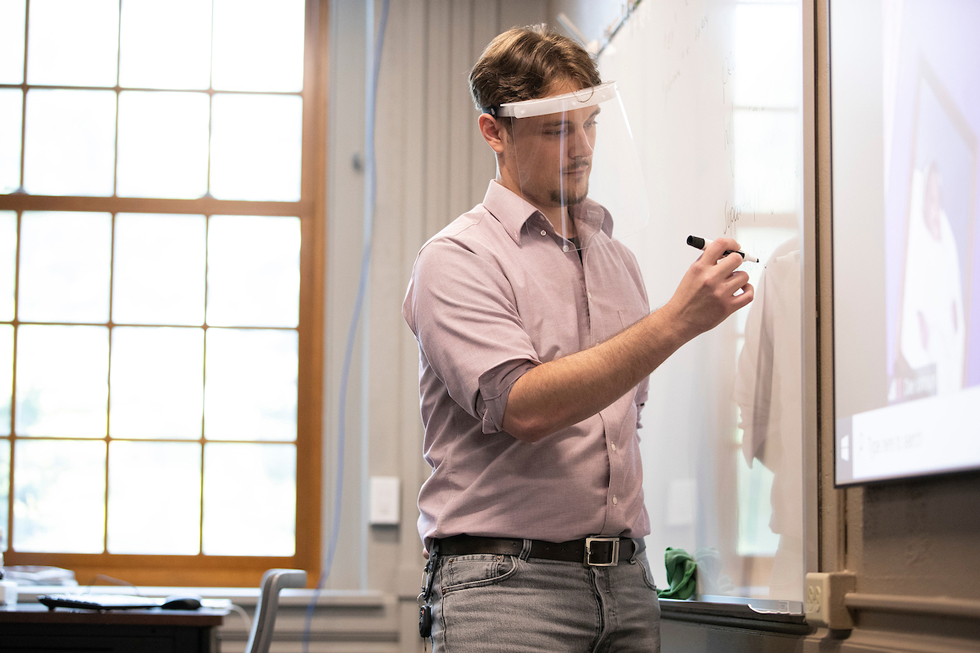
(701, 243)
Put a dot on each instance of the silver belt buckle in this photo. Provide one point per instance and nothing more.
(614, 559)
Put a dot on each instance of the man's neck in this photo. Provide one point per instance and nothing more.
(559, 216)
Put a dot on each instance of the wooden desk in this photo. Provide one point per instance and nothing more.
(31, 627)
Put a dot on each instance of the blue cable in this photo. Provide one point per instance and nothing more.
(370, 182)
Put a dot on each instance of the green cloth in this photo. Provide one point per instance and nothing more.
(680, 575)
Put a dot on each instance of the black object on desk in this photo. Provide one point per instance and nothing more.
(30, 627)
(98, 601)
(89, 601)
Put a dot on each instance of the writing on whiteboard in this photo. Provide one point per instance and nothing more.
(732, 215)
(674, 40)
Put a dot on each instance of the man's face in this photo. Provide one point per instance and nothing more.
(553, 155)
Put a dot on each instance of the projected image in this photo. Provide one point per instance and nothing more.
(906, 191)
(930, 356)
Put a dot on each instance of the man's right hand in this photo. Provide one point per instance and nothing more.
(710, 291)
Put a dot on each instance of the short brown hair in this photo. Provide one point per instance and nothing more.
(523, 62)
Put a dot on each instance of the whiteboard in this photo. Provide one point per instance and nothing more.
(713, 92)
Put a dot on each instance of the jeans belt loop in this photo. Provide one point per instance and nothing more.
(613, 558)
(525, 549)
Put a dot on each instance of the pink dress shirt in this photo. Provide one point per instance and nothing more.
(491, 296)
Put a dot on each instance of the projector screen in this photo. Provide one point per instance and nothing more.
(905, 119)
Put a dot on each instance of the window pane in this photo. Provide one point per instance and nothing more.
(11, 110)
(8, 263)
(6, 380)
(165, 44)
(247, 488)
(59, 496)
(258, 45)
(12, 14)
(163, 144)
(64, 267)
(250, 385)
(256, 144)
(767, 173)
(157, 382)
(4, 492)
(253, 271)
(154, 498)
(755, 537)
(767, 55)
(159, 269)
(70, 142)
(73, 42)
(62, 374)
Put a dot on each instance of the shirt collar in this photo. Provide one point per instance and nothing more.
(513, 212)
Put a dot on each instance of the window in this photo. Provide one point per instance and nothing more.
(160, 266)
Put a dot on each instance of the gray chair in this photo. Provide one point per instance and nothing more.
(273, 580)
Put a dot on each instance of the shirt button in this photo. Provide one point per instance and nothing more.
(615, 501)
(614, 447)
(565, 248)
(589, 295)
(544, 233)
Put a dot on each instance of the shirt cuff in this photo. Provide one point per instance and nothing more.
(495, 386)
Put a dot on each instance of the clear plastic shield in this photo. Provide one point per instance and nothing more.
(557, 143)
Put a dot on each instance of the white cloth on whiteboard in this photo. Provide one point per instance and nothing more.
(769, 392)
(769, 385)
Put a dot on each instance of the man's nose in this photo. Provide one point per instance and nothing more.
(578, 144)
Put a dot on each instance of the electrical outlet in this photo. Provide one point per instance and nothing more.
(385, 501)
(824, 599)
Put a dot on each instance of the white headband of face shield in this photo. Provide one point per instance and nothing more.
(586, 97)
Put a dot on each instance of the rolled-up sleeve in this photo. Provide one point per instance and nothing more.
(463, 312)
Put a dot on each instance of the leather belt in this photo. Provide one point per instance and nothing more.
(589, 551)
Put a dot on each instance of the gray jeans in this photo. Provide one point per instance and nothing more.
(509, 604)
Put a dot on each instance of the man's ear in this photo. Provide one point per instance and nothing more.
(492, 131)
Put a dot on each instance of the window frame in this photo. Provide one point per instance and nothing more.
(202, 570)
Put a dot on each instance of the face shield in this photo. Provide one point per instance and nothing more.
(572, 156)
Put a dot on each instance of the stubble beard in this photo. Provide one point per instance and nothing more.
(568, 196)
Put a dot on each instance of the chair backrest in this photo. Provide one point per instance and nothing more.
(273, 580)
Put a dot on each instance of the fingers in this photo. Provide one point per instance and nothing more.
(711, 290)
(737, 280)
(733, 284)
(745, 297)
(716, 250)
(714, 254)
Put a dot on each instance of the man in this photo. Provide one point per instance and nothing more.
(932, 332)
(535, 342)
